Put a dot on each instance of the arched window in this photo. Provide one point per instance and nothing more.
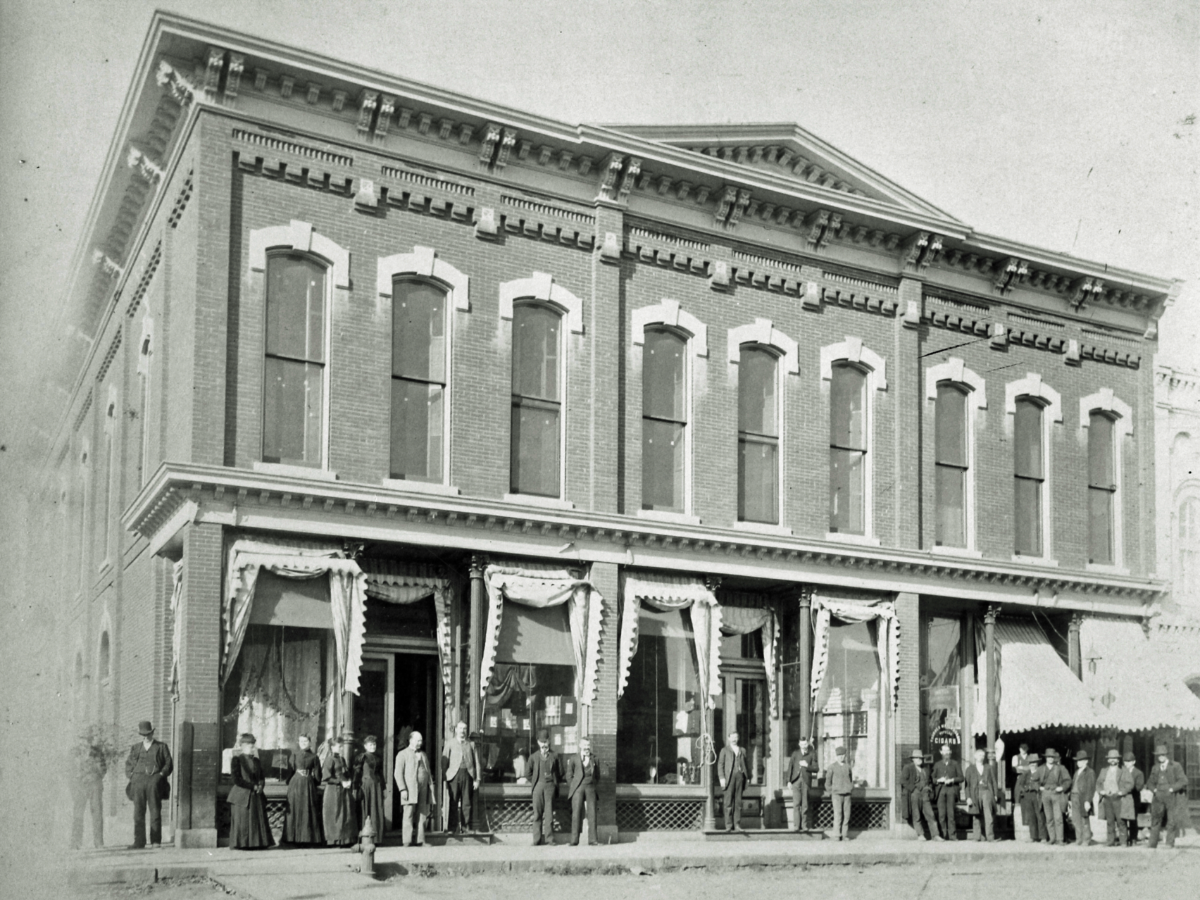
(951, 463)
(294, 376)
(1188, 542)
(1029, 472)
(1102, 489)
(847, 449)
(418, 380)
(536, 466)
(758, 435)
(664, 421)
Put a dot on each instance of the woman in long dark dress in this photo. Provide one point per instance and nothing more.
(341, 826)
(250, 829)
(303, 822)
(369, 767)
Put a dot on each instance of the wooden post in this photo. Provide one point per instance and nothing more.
(478, 564)
(993, 713)
(806, 663)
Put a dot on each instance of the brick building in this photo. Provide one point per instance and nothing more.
(398, 407)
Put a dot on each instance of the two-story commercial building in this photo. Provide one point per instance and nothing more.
(390, 406)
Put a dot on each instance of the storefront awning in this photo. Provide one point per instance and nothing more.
(1135, 684)
(1037, 689)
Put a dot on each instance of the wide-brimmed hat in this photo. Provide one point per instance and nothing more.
(1128, 757)
(840, 751)
(1161, 750)
(247, 738)
(918, 754)
(1052, 754)
(144, 727)
(1114, 754)
(1081, 756)
(1032, 757)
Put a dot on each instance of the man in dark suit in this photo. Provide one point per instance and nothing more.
(947, 776)
(583, 774)
(1031, 798)
(148, 767)
(1169, 783)
(916, 794)
(801, 768)
(733, 775)
(1112, 784)
(1083, 788)
(1132, 804)
(1055, 784)
(544, 774)
(981, 796)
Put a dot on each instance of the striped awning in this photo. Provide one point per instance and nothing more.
(1137, 684)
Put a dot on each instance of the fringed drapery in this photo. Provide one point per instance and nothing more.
(887, 638)
(396, 582)
(744, 620)
(176, 624)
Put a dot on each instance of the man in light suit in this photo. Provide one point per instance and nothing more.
(733, 774)
(544, 774)
(460, 761)
(413, 779)
(583, 774)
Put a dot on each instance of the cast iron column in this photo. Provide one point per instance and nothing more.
(478, 563)
(989, 633)
(712, 582)
(1074, 655)
(806, 663)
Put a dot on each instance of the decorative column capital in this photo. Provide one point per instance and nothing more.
(1076, 621)
(713, 582)
(989, 615)
(477, 564)
(806, 597)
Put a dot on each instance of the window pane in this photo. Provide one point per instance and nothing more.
(1100, 451)
(1027, 439)
(850, 704)
(663, 376)
(1100, 526)
(417, 419)
(758, 481)
(659, 717)
(1028, 517)
(293, 402)
(940, 668)
(662, 465)
(950, 425)
(419, 331)
(846, 491)
(535, 441)
(535, 352)
(756, 392)
(951, 507)
(847, 425)
(296, 308)
(521, 700)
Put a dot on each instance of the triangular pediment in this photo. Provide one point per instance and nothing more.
(788, 151)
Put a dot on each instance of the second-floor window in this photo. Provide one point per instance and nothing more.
(294, 377)
(847, 449)
(1030, 477)
(418, 380)
(758, 436)
(950, 462)
(664, 421)
(1102, 490)
(536, 466)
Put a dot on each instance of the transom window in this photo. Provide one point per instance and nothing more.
(1029, 477)
(418, 380)
(536, 466)
(294, 382)
(1102, 489)
(951, 465)
(847, 449)
(758, 436)
(664, 421)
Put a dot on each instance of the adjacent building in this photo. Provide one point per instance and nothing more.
(390, 407)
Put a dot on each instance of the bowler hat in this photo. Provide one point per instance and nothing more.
(1114, 754)
(1161, 750)
(1128, 757)
(840, 751)
(917, 754)
(543, 734)
(1081, 756)
(1033, 757)
(1052, 754)
(247, 738)
(145, 727)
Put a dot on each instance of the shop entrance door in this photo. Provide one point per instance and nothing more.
(398, 694)
(744, 710)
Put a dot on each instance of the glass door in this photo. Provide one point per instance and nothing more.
(752, 726)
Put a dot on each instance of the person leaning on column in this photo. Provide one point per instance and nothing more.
(947, 776)
(460, 762)
(148, 767)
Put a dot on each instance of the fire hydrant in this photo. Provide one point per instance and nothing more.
(367, 843)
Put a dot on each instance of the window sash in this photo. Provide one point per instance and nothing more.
(418, 331)
(536, 352)
(1100, 525)
(1101, 472)
(295, 308)
(758, 479)
(758, 411)
(951, 490)
(1028, 452)
(1027, 515)
(293, 407)
(418, 424)
(846, 490)
(535, 448)
(847, 408)
(664, 456)
(664, 370)
(950, 426)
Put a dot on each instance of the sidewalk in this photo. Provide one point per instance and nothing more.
(98, 867)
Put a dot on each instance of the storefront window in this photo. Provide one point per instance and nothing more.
(792, 698)
(941, 716)
(660, 715)
(851, 706)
